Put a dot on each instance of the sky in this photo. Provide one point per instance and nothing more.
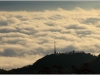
(28, 29)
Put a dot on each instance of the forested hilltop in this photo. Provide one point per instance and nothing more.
(59, 63)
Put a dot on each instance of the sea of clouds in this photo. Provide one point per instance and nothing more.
(27, 36)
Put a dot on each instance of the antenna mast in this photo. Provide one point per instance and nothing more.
(54, 47)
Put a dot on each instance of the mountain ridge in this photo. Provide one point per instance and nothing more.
(77, 62)
(61, 61)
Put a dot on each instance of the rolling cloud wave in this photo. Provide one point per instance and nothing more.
(27, 36)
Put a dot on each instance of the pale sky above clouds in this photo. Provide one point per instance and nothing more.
(49, 0)
(46, 5)
(28, 30)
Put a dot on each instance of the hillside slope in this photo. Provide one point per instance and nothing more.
(64, 60)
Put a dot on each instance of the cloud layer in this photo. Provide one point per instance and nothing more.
(27, 36)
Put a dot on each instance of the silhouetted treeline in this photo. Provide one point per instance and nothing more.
(62, 63)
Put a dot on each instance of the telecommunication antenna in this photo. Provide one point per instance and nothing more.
(54, 47)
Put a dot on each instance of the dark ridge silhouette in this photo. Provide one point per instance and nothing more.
(59, 63)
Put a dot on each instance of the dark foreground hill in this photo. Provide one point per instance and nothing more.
(72, 62)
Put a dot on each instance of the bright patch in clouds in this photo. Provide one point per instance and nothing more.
(27, 36)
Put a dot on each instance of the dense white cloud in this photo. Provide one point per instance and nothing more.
(15, 62)
(27, 36)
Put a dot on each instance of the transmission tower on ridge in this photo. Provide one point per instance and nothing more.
(54, 47)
